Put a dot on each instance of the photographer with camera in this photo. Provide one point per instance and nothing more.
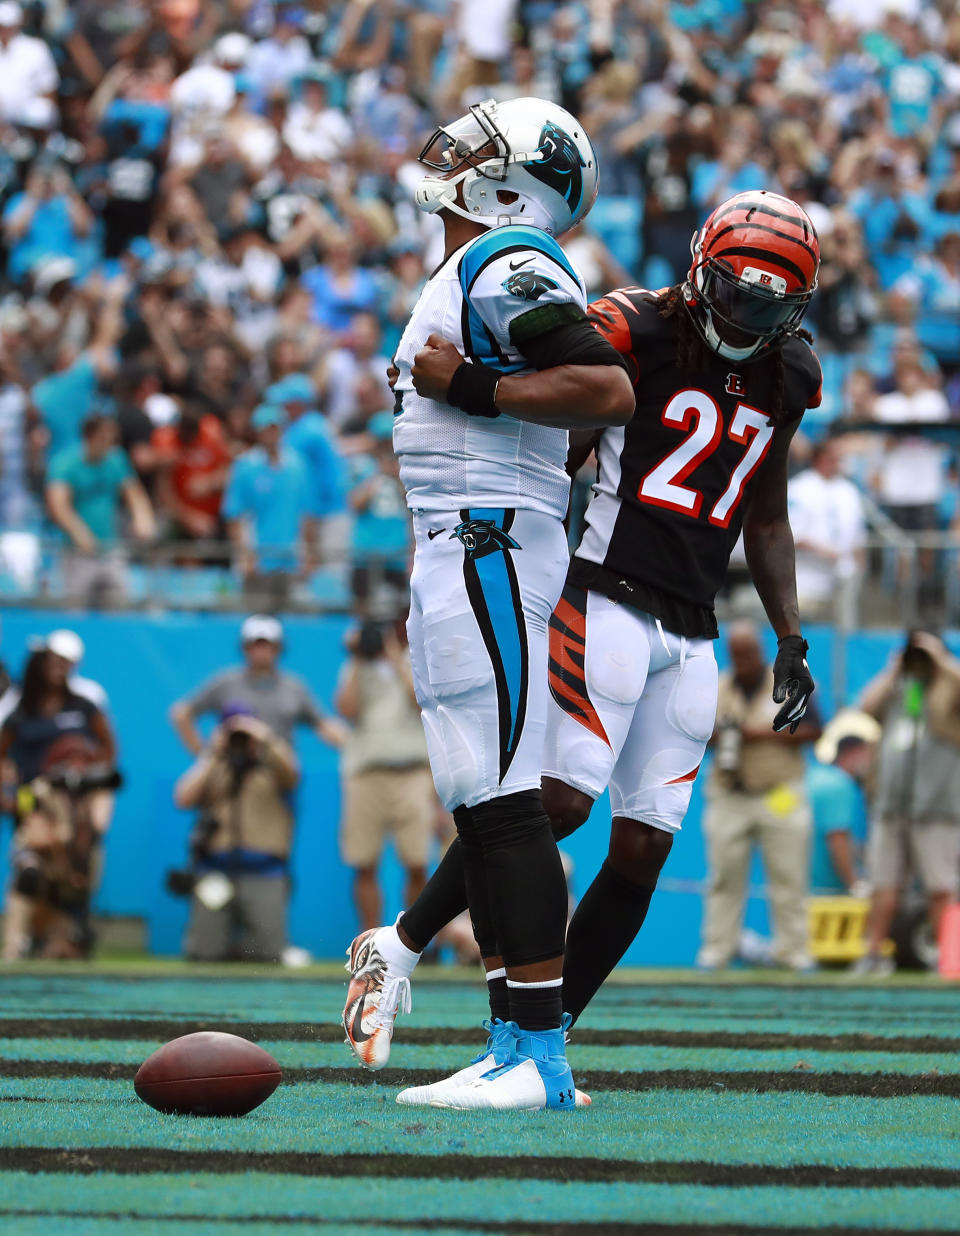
(239, 876)
(387, 786)
(57, 754)
(916, 798)
(755, 797)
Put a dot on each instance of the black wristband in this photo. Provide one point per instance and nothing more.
(785, 641)
(472, 390)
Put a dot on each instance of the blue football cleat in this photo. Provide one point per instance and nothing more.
(530, 1074)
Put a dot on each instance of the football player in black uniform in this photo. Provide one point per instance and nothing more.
(723, 373)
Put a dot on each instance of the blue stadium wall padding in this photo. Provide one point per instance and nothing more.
(147, 661)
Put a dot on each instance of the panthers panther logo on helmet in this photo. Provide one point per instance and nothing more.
(522, 161)
(528, 285)
(560, 165)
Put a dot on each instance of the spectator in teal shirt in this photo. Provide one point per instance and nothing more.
(835, 791)
(85, 486)
(382, 532)
(932, 287)
(913, 84)
(65, 398)
(309, 435)
(47, 219)
(268, 505)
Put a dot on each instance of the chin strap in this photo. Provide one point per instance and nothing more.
(435, 194)
(709, 333)
(724, 349)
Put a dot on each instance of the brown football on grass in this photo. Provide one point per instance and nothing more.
(207, 1074)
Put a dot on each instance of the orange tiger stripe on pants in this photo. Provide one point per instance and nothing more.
(568, 642)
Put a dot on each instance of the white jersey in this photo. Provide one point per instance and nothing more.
(449, 460)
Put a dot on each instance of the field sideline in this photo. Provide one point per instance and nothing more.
(754, 1102)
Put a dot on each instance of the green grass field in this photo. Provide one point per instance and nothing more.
(749, 1105)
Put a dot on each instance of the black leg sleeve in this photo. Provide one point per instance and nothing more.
(475, 884)
(524, 877)
(603, 927)
(443, 898)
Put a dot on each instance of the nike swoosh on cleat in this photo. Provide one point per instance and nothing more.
(517, 265)
(356, 1029)
(432, 532)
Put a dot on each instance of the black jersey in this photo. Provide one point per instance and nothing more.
(674, 483)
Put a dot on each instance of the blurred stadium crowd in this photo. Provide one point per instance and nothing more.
(209, 248)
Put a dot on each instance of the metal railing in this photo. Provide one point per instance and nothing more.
(194, 575)
(907, 578)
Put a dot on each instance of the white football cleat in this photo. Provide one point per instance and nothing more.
(519, 1070)
(498, 1049)
(373, 1001)
(509, 1087)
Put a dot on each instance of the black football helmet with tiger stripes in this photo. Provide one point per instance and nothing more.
(754, 270)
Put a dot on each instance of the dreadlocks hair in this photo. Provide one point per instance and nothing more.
(693, 354)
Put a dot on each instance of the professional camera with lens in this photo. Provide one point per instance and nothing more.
(241, 751)
(77, 781)
(181, 880)
(915, 661)
(369, 642)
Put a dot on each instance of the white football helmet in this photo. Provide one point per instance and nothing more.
(522, 161)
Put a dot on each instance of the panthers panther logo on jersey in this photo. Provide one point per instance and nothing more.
(561, 167)
(447, 460)
(528, 284)
(480, 537)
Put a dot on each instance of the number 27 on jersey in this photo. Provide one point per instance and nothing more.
(698, 414)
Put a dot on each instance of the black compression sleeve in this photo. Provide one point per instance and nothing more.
(570, 343)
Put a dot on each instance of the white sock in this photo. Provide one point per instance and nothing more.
(400, 959)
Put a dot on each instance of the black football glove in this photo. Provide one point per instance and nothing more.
(792, 682)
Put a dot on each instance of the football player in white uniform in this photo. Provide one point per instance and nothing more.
(722, 373)
(482, 443)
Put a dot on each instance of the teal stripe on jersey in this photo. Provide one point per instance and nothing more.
(480, 344)
(502, 239)
(491, 581)
(478, 341)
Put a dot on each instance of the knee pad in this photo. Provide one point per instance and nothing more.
(461, 818)
(525, 880)
(508, 821)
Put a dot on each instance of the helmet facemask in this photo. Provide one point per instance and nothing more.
(742, 310)
(459, 145)
(470, 148)
(742, 315)
(535, 167)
